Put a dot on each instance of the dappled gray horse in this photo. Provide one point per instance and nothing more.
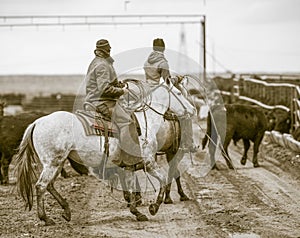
(54, 138)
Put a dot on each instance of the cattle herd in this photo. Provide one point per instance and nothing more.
(224, 123)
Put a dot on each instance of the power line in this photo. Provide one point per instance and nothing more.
(80, 20)
(97, 23)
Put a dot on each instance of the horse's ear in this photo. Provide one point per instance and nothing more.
(168, 81)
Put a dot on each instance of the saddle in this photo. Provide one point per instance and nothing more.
(94, 123)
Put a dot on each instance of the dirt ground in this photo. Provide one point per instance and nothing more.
(248, 202)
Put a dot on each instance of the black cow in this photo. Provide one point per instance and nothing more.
(11, 132)
(237, 121)
(12, 129)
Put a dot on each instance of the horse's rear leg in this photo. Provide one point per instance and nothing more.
(47, 176)
(183, 196)
(174, 173)
(63, 203)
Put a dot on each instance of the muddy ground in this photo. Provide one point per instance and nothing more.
(248, 202)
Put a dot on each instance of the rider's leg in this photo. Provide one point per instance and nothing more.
(187, 141)
(129, 141)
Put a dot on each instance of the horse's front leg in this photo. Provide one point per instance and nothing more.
(153, 170)
(126, 193)
(172, 165)
(122, 179)
(130, 181)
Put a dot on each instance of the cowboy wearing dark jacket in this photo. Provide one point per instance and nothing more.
(104, 90)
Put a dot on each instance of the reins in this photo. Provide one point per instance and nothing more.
(169, 90)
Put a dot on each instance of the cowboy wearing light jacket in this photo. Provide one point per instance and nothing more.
(156, 67)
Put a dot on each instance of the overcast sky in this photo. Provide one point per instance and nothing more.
(242, 35)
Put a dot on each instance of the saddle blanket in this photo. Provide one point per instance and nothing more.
(94, 124)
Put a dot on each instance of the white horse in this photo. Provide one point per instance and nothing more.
(168, 138)
(58, 136)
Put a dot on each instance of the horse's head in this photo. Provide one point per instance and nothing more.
(172, 98)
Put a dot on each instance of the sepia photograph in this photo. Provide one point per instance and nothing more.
(159, 119)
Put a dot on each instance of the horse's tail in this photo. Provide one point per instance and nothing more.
(26, 175)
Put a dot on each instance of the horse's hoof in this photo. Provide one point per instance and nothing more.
(184, 198)
(49, 222)
(243, 161)
(168, 201)
(255, 165)
(142, 217)
(153, 208)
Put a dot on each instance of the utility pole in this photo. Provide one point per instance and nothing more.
(204, 46)
(182, 65)
(125, 4)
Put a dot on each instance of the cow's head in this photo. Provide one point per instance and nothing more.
(270, 117)
(279, 120)
(283, 121)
